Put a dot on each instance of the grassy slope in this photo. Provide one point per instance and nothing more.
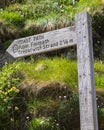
(56, 69)
(33, 17)
(36, 16)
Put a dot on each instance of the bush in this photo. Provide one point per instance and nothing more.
(42, 123)
(68, 113)
(8, 92)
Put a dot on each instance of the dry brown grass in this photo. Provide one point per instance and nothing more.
(7, 33)
(53, 89)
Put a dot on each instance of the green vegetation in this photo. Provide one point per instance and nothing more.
(43, 94)
(99, 73)
(8, 92)
(30, 93)
(12, 18)
(42, 124)
(54, 70)
(37, 16)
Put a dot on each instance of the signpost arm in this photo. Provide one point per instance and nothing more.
(87, 93)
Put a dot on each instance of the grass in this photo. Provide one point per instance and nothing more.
(36, 10)
(99, 74)
(59, 69)
(21, 101)
(56, 69)
(34, 17)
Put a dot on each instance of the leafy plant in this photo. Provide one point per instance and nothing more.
(68, 113)
(8, 92)
(42, 124)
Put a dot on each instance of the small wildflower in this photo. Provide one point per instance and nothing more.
(6, 93)
(12, 120)
(1, 9)
(55, 121)
(6, 99)
(60, 97)
(3, 92)
(98, 42)
(27, 117)
(65, 97)
(57, 124)
(41, 122)
(16, 108)
(22, 15)
(98, 106)
(17, 90)
(6, 63)
(65, 87)
(9, 107)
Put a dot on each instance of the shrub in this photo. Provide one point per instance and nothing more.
(8, 91)
(68, 113)
(42, 123)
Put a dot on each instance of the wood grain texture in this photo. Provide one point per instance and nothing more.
(87, 93)
(44, 42)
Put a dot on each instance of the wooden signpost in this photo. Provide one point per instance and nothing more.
(80, 35)
(87, 93)
(44, 42)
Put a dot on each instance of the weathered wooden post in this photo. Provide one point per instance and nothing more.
(66, 37)
(87, 93)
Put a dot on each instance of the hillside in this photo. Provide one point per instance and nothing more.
(37, 16)
(35, 92)
(41, 92)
